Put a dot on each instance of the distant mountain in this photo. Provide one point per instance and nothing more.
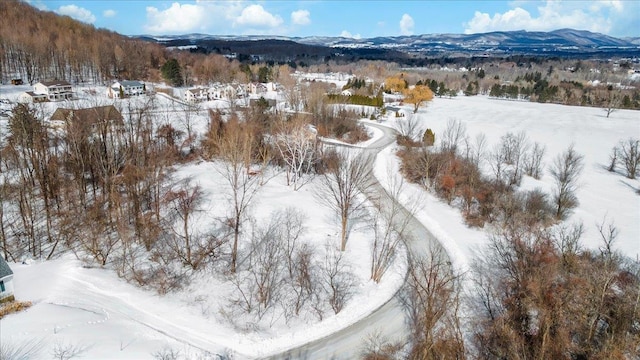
(563, 43)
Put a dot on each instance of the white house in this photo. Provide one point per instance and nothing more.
(257, 88)
(54, 90)
(196, 95)
(31, 97)
(126, 88)
(6, 282)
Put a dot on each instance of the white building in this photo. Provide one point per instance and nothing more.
(6, 282)
(196, 95)
(126, 88)
(54, 90)
(29, 97)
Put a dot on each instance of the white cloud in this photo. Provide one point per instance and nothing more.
(301, 17)
(109, 13)
(179, 18)
(256, 16)
(347, 34)
(78, 13)
(594, 15)
(406, 25)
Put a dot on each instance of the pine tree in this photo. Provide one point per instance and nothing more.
(172, 73)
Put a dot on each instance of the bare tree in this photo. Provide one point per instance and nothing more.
(630, 156)
(566, 170)
(533, 161)
(454, 133)
(24, 350)
(236, 148)
(296, 144)
(337, 279)
(613, 159)
(513, 148)
(390, 227)
(432, 301)
(342, 187)
(408, 127)
(64, 351)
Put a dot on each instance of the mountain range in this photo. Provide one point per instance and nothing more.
(562, 43)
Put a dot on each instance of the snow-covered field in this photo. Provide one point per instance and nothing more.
(94, 309)
(603, 196)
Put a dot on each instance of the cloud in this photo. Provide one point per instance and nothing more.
(256, 16)
(179, 18)
(595, 15)
(301, 17)
(347, 34)
(78, 13)
(406, 25)
(109, 13)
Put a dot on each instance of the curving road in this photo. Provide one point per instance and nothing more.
(389, 319)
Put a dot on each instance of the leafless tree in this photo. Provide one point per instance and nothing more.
(513, 148)
(566, 170)
(453, 135)
(408, 127)
(236, 148)
(432, 301)
(475, 152)
(630, 156)
(336, 278)
(390, 227)
(379, 347)
(64, 351)
(296, 144)
(342, 187)
(23, 350)
(533, 161)
(166, 354)
(613, 159)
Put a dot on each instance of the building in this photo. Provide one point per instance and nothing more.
(125, 88)
(196, 95)
(6, 282)
(89, 118)
(31, 97)
(54, 90)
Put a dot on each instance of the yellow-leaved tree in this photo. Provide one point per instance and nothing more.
(417, 95)
(395, 83)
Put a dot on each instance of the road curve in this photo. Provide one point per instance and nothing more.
(389, 319)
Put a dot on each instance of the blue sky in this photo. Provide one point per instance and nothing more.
(350, 18)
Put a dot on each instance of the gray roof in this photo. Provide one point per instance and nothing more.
(5, 270)
(130, 83)
(55, 83)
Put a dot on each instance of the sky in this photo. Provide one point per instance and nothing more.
(357, 19)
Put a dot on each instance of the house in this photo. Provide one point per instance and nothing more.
(257, 88)
(6, 282)
(30, 97)
(125, 88)
(346, 93)
(54, 90)
(196, 95)
(89, 118)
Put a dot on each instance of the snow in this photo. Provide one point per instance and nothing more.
(603, 196)
(113, 319)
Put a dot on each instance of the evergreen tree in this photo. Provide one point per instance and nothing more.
(172, 73)
(429, 138)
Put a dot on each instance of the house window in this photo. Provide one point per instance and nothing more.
(1, 286)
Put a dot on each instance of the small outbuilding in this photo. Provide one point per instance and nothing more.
(6, 282)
